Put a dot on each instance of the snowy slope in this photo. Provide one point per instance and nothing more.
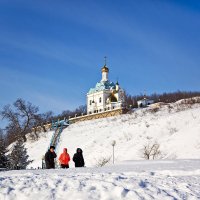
(175, 127)
(130, 180)
(37, 149)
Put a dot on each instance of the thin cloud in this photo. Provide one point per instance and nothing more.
(45, 93)
(50, 49)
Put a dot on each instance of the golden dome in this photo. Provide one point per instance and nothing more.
(104, 69)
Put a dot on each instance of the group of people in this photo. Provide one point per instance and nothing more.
(64, 158)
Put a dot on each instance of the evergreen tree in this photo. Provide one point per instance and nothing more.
(3, 151)
(18, 158)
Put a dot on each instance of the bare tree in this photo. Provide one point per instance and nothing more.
(151, 150)
(42, 119)
(78, 111)
(103, 161)
(81, 109)
(21, 118)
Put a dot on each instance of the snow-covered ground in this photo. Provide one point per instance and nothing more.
(176, 127)
(143, 180)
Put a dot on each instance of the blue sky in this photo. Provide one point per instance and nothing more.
(51, 52)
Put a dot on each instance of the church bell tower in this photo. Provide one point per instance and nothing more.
(104, 71)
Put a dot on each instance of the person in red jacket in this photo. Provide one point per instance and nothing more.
(64, 159)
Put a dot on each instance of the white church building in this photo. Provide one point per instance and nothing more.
(105, 96)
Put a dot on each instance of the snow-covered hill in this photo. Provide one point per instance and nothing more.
(176, 127)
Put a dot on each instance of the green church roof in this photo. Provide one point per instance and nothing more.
(103, 85)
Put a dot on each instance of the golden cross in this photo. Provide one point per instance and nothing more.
(105, 59)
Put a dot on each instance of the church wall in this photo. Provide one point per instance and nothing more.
(104, 76)
(98, 105)
(109, 113)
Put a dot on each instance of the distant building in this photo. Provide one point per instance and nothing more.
(144, 102)
(105, 96)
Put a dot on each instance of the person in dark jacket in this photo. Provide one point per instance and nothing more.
(49, 158)
(78, 158)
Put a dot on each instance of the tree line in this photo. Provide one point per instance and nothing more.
(131, 100)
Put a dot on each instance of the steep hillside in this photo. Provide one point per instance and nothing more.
(176, 127)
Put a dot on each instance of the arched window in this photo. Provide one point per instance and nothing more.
(100, 100)
(90, 102)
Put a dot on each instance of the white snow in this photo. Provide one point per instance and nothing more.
(134, 180)
(176, 127)
(37, 149)
(177, 132)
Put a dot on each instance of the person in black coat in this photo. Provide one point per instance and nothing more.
(49, 158)
(78, 158)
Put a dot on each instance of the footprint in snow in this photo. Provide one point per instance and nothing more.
(142, 184)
